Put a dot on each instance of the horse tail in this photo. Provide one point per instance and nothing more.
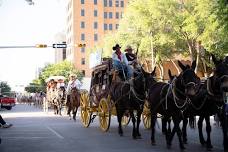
(192, 122)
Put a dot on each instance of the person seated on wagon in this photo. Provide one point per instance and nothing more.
(131, 57)
(120, 62)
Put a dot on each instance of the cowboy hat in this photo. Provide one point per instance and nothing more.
(116, 46)
(73, 75)
(128, 48)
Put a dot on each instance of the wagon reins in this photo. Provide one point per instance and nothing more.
(135, 94)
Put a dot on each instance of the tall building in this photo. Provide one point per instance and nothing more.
(60, 53)
(87, 23)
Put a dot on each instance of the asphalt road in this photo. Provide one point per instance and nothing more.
(36, 131)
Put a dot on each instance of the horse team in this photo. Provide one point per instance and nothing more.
(180, 100)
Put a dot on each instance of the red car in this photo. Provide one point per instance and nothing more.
(7, 102)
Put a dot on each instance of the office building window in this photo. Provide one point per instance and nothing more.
(95, 37)
(83, 61)
(82, 36)
(95, 2)
(117, 15)
(95, 25)
(95, 13)
(82, 12)
(82, 50)
(82, 1)
(121, 15)
(105, 3)
(82, 24)
(122, 3)
(117, 26)
(105, 15)
(110, 14)
(105, 27)
(110, 26)
(83, 72)
(117, 3)
(110, 3)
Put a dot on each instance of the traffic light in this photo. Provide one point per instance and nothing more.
(41, 45)
(81, 45)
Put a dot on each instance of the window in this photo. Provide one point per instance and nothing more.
(95, 13)
(117, 3)
(110, 3)
(82, 36)
(105, 27)
(82, 1)
(83, 61)
(82, 12)
(105, 3)
(117, 15)
(82, 50)
(110, 14)
(95, 2)
(105, 15)
(82, 24)
(117, 25)
(110, 26)
(121, 15)
(95, 25)
(122, 3)
(95, 37)
(83, 72)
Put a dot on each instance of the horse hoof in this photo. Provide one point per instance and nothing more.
(153, 143)
(182, 148)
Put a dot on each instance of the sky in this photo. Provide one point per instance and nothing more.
(27, 25)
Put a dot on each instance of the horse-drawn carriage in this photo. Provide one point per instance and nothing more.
(97, 102)
(55, 97)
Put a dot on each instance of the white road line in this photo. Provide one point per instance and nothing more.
(53, 131)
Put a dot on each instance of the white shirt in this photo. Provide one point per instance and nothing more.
(123, 58)
(76, 83)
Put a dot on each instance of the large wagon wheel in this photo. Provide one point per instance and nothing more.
(104, 114)
(85, 109)
(146, 116)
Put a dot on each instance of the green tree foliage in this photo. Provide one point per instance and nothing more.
(5, 88)
(164, 27)
(64, 68)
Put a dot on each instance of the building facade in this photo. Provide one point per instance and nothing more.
(87, 23)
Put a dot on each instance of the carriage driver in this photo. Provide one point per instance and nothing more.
(74, 82)
(120, 61)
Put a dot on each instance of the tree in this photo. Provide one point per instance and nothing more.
(64, 68)
(5, 88)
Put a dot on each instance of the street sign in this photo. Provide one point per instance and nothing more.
(61, 45)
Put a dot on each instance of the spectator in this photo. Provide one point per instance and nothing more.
(3, 123)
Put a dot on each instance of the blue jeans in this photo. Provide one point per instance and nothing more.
(123, 67)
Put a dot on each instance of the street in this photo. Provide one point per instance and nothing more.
(36, 131)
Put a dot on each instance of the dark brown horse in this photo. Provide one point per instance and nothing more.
(212, 100)
(171, 99)
(129, 96)
(74, 102)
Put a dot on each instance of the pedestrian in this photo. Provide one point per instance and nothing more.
(3, 123)
(120, 62)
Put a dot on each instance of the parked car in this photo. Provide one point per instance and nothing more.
(7, 102)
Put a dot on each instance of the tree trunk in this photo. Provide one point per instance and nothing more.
(175, 65)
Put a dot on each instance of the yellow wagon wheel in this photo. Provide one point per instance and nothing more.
(146, 116)
(125, 120)
(104, 114)
(85, 109)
